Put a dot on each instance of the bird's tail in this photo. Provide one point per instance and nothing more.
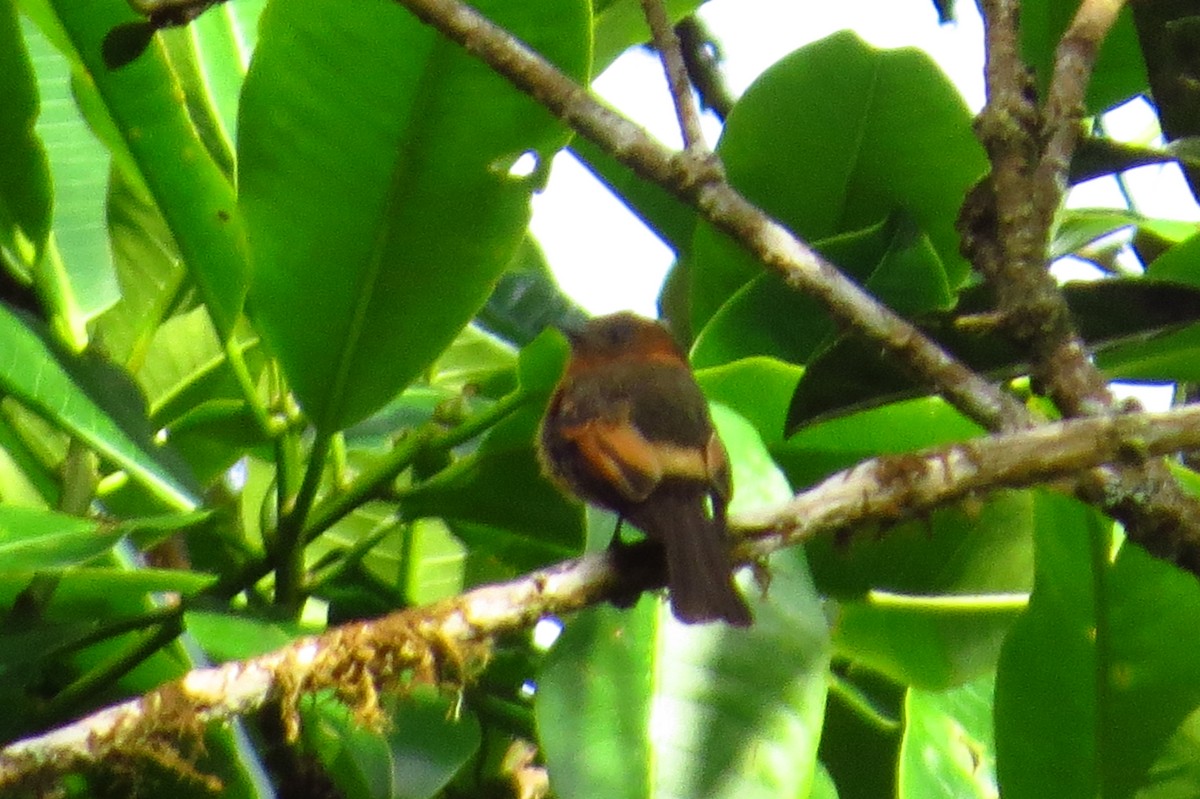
(699, 569)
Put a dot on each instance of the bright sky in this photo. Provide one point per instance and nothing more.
(607, 260)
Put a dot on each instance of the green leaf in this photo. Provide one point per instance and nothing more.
(1119, 72)
(37, 539)
(860, 742)
(1170, 357)
(186, 367)
(436, 563)
(210, 57)
(31, 372)
(824, 448)
(93, 592)
(473, 359)
(823, 785)
(972, 548)
(150, 272)
(1078, 227)
(1176, 771)
(757, 388)
(430, 126)
(1181, 263)
(75, 272)
(136, 112)
(837, 137)
(25, 191)
(425, 746)
(928, 642)
(672, 710)
(541, 364)
(757, 480)
(928, 604)
(1128, 322)
(947, 751)
(766, 317)
(1105, 644)
(224, 636)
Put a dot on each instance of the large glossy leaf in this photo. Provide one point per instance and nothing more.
(971, 549)
(32, 372)
(894, 261)
(835, 138)
(137, 113)
(75, 271)
(947, 752)
(370, 255)
(25, 190)
(1100, 672)
(818, 451)
(634, 704)
(928, 603)
(757, 388)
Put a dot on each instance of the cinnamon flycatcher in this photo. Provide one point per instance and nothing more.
(628, 429)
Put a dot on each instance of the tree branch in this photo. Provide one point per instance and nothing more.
(667, 45)
(445, 643)
(1006, 226)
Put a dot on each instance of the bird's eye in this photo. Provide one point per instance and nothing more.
(620, 335)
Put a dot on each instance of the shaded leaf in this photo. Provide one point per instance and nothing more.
(431, 125)
(1119, 72)
(25, 191)
(837, 137)
(671, 710)
(853, 374)
(135, 111)
(31, 372)
(947, 751)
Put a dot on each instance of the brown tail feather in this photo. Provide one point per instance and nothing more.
(698, 564)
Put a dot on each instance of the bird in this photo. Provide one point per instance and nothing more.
(628, 429)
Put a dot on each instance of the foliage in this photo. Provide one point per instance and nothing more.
(249, 272)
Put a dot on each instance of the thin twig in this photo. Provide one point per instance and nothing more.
(667, 45)
(1073, 64)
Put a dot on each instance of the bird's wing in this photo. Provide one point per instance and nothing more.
(623, 458)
